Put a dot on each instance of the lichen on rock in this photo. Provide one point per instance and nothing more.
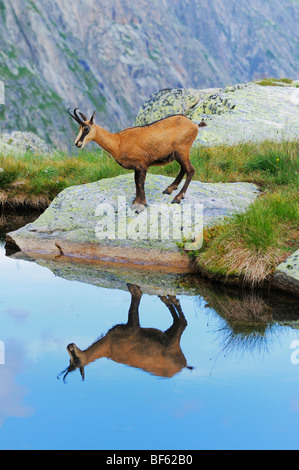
(286, 276)
(238, 113)
(17, 143)
(77, 215)
(167, 102)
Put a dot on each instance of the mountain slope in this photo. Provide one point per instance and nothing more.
(111, 55)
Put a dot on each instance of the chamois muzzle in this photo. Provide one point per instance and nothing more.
(75, 363)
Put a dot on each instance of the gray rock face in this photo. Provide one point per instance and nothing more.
(239, 113)
(17, 143)
(286, 276)
(111, 56)
(94, 221)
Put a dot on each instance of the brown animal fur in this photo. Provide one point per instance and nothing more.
(138, 148)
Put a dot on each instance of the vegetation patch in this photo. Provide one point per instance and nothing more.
(246, 247)
(274, 82)
(250, 245)
(268, 164)
(34, 177)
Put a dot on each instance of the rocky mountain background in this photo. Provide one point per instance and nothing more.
(111, 55)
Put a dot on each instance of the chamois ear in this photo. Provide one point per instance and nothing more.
(92, 118)
(82, 373)
(83, 116)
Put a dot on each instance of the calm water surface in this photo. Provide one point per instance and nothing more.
(242, 391)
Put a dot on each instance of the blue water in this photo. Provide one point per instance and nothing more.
(242, 394)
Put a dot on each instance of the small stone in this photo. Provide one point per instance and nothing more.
(286, 276)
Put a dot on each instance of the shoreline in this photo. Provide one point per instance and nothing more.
(148, 262)
(268, 230)
(145, 260)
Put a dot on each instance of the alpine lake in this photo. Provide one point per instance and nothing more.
(192, 365)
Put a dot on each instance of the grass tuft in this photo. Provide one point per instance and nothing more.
(251, 244)
(274, 81)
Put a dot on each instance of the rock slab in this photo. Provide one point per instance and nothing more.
(74, 223)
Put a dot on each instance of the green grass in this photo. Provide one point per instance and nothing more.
(40, 178)
(247, 246)
(274, 81)
(269, 164)
(250, 245)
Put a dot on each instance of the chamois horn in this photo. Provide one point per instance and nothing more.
(77, 118)
(80, 118)
(81, 114)
(74, 117)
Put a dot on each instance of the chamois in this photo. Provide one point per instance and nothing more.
(138, 148)
(149, 349)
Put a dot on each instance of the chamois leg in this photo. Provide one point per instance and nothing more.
(139, 201)
(189, 168)
(176, 303)
(175, 332)
(133, 316)
(176, 182)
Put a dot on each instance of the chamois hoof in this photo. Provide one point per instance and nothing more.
(137, 208)
(176, 201)
(167, 191)
(134, 289)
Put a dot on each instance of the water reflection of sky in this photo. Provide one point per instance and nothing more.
(237, 399)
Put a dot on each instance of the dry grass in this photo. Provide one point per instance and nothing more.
(250, 309)
(34, 202)
(250, 266)
(249, 246)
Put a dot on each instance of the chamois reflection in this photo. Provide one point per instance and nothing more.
(149, 349)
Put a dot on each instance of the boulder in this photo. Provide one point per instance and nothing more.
(172, 101)
(94, 221)
(17, 143)
(238, 113)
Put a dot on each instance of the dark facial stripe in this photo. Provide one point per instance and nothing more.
(84, 134)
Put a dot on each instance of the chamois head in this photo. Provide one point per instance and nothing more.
(76, 361)
(86, 129)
